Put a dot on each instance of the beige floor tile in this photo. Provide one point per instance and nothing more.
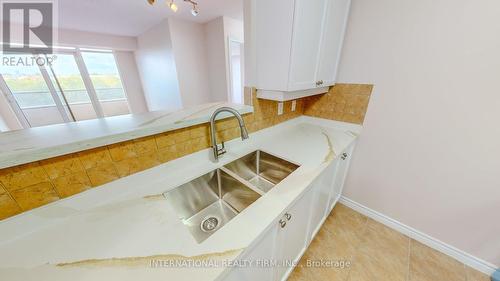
(336, 242)
(474, 275)
(347, 217)
(369, 268)
(427, 264)
(340, 235)
(377, 253)
(382, 255)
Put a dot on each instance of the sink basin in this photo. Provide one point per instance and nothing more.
(207, 203)
(261, 169)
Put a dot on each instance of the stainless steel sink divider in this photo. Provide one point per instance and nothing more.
(242, 180)
(257, 164)
(219, 184)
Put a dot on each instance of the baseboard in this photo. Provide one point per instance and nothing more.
(470, 260)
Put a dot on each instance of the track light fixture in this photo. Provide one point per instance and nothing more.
(194, 10)
(173, 6)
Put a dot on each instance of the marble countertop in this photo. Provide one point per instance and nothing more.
(115, 231)
(29, 145)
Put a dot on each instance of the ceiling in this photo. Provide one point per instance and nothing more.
(133, 17)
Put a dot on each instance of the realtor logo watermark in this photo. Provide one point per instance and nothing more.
(28, 26)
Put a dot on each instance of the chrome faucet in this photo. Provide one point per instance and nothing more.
(218, 151)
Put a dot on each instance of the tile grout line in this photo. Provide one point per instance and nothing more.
(86, 174)
(15, 201)
(50, 181)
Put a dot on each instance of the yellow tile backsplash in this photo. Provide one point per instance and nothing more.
(62, 166)
(2, 189)
(95, 157)
(8, 207)
(35, 195)
(102, 173)
(72, 184)
(344, 102)
(122, 151)
(35, 184)
(22, 176)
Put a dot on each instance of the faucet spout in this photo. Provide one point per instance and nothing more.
(218, 151)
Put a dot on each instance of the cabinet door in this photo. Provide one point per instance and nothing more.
(291, 240)
(343, 166)
(306, 39)
(323, 191)
(261, 252)
(268, 42)
(337, 12)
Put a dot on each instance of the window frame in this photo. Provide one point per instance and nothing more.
(112, 52)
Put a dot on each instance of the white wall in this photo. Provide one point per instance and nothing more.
(218, 31)
(215, 44)
(188, 43)
(85, 39)
(155, 61)
(131, 81)
(250, 66)
(233, 30)
(429, 155)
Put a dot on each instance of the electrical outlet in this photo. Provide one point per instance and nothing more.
(280, 108)
(294, 105)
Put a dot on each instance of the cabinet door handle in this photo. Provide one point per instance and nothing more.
(282, 223)
(288, 216)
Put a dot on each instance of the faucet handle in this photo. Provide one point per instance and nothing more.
(221, 150)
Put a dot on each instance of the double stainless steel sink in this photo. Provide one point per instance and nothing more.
(207, 203)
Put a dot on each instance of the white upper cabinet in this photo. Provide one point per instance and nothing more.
(333, 37)
(294, 45)
(306, 43)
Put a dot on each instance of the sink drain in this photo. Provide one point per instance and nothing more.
(209, 224)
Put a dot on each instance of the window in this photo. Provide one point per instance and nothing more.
(31, 93)
(78, 85)
(107, 83)
(66, 77)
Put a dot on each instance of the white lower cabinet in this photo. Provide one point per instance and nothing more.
(292, 240)
(259, 254)
(322, 190)
(343, 163)
(273, 255)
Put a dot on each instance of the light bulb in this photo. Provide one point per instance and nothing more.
(195, 11)
(173, 7)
